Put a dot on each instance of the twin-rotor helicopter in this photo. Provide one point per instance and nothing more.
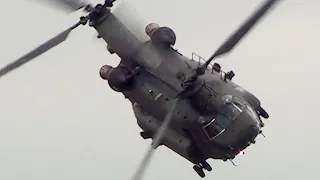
(189, 106)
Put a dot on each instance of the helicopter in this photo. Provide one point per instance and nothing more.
(185, 104)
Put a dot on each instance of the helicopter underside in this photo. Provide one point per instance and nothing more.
(177, 140)
(167, 87)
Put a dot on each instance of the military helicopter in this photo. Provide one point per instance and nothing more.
(186, 104)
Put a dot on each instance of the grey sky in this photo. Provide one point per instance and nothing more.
(60, 121)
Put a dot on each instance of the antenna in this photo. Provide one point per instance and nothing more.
(232, 162)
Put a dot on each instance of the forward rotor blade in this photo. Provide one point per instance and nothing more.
(234, 39)
(155, 143)
(64, 5)
(38, 51)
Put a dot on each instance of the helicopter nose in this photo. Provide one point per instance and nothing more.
(249, 133)
(247, 138)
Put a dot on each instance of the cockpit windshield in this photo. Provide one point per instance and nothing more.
(231, 110)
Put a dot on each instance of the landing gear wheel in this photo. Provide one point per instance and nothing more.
(206, 166)
(199, 170)
(145, 135)
(261, 124)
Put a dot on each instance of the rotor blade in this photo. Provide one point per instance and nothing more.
(38, 51)
(155, 142)
(64, 5)
(129, 15)
(233, 40)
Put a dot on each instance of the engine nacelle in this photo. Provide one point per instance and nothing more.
(161, 35)
(164, 35)
(118, 78)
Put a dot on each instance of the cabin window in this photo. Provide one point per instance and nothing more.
(223, 121)
(252, 112)
(228, 115)
(212, 129)
(231, 110)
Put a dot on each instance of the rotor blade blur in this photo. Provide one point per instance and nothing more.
(67, 6)
(128, 14)
(38, 51)
(234, 39)
(155, 143)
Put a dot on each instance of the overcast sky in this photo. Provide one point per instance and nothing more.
(60, 121)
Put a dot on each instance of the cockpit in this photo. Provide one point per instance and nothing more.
(232, 108)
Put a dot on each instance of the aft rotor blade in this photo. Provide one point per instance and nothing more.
(38, 51)
(65, 5)
(155, 143)
(234, 39)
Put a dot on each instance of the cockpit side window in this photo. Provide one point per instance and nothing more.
(239, 103)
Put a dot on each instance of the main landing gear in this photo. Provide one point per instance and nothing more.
(200, 167)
